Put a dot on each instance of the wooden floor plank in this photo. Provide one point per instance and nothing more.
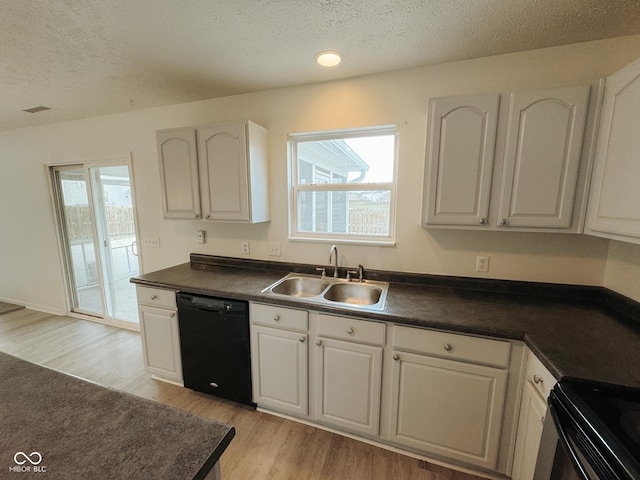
(266, 447)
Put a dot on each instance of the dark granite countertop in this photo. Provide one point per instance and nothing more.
(573, 330)
(73, 429)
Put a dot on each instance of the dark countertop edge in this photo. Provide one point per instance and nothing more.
(616, 304)
(215, 456)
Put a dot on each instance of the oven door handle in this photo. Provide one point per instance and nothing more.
(563, 437)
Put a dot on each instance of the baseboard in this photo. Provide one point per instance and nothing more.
(35, 306)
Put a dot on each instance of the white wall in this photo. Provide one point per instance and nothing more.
(623, 269)
(30, 268)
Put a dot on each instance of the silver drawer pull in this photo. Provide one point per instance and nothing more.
(302, 339)
(173, 315)
(447, 347)
(276, 318)
(154, 297)
(214, 384)
(350, 331)
(537, 380)
(396, 357)
(319, 343)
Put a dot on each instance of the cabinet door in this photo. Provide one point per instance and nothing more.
(222, 151)
(614, 203)
(349, 383)
(532, 417)
(161, 342)
(542, 156)
(460, 147)
(447, 408)
(279, 369)
(178, 161)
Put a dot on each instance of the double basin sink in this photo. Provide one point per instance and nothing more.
(332, 291)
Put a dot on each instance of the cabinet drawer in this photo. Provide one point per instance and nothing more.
(539, 377)
(451, 345)
(156, 297)
(345, 328)
(279, 317)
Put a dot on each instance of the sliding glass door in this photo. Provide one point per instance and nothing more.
(97, 226)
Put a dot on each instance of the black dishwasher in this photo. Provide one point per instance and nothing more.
(214, 343)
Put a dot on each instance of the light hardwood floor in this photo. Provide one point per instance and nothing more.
(265, 447)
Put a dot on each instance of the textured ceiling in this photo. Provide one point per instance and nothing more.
(91, 57)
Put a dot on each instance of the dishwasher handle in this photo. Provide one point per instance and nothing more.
(210, 304)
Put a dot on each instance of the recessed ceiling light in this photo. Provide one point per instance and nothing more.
(328, 59)
(36, 109)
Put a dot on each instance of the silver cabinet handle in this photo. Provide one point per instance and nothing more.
(350, 331)
(537, 380)
(197, 216)
(542, 419)
(396, 357)
(447, 347)
(319, 343)
(302, 339)
(276, 318)
(504, 222)
(483, 221)
(173, 315)
(214, 384)
(154, 297)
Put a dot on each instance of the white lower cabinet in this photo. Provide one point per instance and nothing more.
(159, 333)
(448, 408)
(281, 377)
(533, 408)
(279, 359)
(349, 374)
(454, 396)
(447, 396)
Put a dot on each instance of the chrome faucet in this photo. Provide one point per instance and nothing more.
(359, 272)
(331, 252)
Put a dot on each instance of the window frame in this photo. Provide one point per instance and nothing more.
(295, 188)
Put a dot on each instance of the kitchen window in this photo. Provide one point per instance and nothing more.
(342, 185)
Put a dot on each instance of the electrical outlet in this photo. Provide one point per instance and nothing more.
(275, 249)
(200, 235)
(482, 264)
(153, 242)
(244, 247)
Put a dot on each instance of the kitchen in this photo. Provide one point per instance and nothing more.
(398, 97)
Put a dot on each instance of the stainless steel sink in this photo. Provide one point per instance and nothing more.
(300, 286)
(331, 291)
(354, 293)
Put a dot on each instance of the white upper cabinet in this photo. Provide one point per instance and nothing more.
(178, 161)
(492, 166)
(216, 172)
(234, 174)
(461, 140)
(542, 156)
(614, 203)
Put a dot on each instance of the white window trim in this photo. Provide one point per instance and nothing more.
(295, 189)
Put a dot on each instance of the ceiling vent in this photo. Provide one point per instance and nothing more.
(36, 109)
